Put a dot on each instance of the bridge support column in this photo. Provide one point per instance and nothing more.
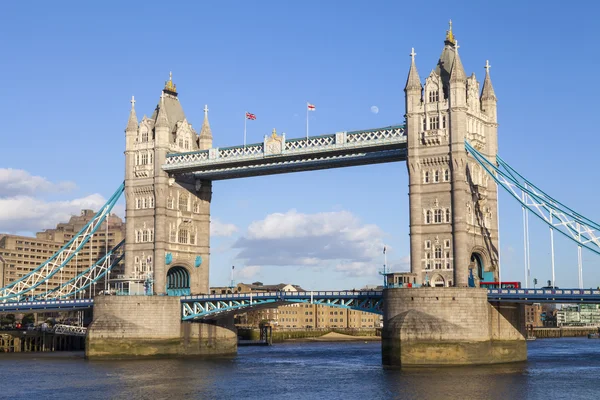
(151, 326)
(449, 326)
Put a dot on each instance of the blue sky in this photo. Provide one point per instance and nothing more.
(70, 68)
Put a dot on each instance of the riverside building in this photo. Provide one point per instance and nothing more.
(19, 255)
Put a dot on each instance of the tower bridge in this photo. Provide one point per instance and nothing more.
(450, 146)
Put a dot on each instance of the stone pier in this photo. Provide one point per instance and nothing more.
(151, 326)
(449, 326)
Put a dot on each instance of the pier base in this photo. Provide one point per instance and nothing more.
(450, 326)
(151, 326)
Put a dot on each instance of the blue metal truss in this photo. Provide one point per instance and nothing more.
(16, 290)
(577, 296)
(211, 306)
(558, 216)
(46, 305)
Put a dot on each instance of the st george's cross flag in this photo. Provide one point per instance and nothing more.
(311, 107)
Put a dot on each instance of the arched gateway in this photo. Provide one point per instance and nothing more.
(178, 282)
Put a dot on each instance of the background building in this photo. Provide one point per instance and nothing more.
(533, 315)
(298, 315)
(579, 315)
(20, 255)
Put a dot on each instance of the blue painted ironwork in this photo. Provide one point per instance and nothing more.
(46, 305)
(198, 261)
(85, 279)
(210, 306)
(342, 149)
(17, 289)
(578, 296)
(168, 258)
(555, 214)
(178, 281)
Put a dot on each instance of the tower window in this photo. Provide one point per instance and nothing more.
(144, 136)
(183, 202)
(151, 202)
(434, 95)
(170, 202)
(447, 215)
(196, 207)
(447, 243)
(426, 178)
(446, 175)
(428, 217)
(438, 252)
(438, 216)
(183, 236)
(145, 236)
(144, 159)
(444, 122)
(436, 176)
(434, 122)
(428, 244)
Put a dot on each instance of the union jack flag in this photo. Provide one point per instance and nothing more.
(250, 116)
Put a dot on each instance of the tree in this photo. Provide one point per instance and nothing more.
(28, 319)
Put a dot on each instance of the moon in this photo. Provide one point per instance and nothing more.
(374, 109)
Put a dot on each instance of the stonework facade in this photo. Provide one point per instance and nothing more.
(453, 203)
(168, 220)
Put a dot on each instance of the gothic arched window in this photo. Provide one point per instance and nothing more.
(145, 236)
(438, 251)
(436, 176)
(138, 236)
(447, 215)
(446, 175)
(426, 179)
(183, 202)
(428, 217)
(183, 236)
(438, 216)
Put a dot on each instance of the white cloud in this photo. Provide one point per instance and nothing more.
(329, 239)
(248, 272)
(218, 228)
(17, 182)
(28, 214)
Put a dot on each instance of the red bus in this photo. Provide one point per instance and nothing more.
(503, 285)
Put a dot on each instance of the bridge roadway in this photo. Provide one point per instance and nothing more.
(278, 155)
(202, 306)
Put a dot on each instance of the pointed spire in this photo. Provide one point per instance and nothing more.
(205, 132)
(458, 72)
(450, 39)
(413, 82)
(161, 119)
(487, 93)
(132, 124)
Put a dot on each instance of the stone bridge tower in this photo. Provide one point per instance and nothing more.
(168, 221)
(453, 202)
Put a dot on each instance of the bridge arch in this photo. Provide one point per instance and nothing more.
(178, 281)
(438, 281)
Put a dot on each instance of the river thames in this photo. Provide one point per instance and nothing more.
(556, 369)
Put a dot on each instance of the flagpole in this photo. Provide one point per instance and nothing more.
(245, 118)
(307, 122)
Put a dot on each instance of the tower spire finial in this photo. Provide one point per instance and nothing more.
(206, 111)
(449, 35)
(487, 67)
(169, 85)
(412, 54)
(133, 102)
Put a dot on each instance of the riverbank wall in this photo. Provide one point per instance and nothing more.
(299, 334)
(571, 331)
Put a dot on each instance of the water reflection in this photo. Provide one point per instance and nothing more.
(563, 368)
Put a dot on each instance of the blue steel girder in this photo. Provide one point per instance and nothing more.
(560, 296)
(342, 149)
(579, 229)
(209, 306)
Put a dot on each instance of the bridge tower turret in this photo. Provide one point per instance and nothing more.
(168, 220)
(453, 204)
